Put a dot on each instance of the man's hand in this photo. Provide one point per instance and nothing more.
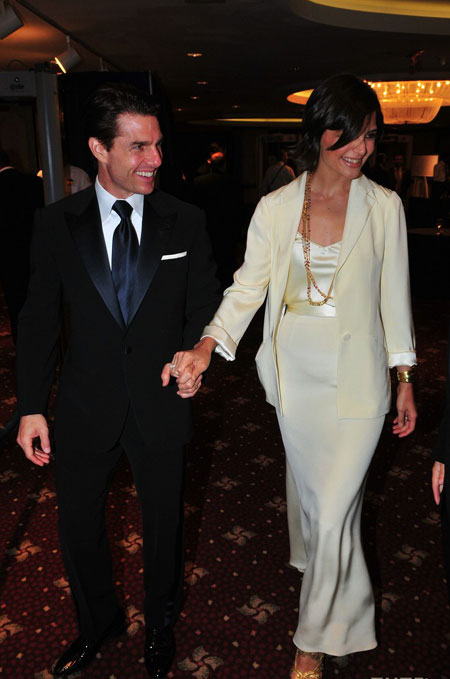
(437, 480)
(32, 427)
(188, 366)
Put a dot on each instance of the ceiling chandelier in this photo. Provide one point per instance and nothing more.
(403, 101)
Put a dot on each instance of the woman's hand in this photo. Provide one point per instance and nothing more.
(188, 366)
(437, 480)
(405, 422)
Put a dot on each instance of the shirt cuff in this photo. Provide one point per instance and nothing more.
(403, 358)
(221, 348)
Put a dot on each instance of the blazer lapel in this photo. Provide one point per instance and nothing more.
(156, 230)
(360, 203)
(87, 233)
(288, 216)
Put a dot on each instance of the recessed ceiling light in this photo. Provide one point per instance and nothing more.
(236, 106)
(202, 82)
(194, 55)
(194, 97)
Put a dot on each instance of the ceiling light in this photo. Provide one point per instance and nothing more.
(194, 55)
(202, 82)
(10, 21)
(409, 101)
(194, 97)
(68, 59)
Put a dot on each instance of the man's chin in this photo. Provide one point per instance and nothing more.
(145, 187)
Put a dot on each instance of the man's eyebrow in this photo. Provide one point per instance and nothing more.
(136, 142)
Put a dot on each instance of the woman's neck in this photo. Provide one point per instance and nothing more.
(329, 183)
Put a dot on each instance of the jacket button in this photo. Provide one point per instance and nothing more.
(346, 337)
(128, 350)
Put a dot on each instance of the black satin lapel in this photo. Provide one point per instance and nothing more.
(87, 233)
(156, 231)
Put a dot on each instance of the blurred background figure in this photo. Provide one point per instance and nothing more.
(439, 188)
(400, 176)
(75, 179)
(215, 192)
(278, 173)
(20, 195)
(379, 171)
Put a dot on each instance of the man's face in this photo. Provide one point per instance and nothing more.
(131, 163)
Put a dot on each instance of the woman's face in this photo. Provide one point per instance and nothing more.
(348, 160)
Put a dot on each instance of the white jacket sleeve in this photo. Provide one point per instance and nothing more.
(395, 292)
(244, 297)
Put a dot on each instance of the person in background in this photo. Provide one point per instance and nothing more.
(278, 173)
(439, 185)
(20, 195)
(328, 253)
(75, 179)
(215, 191)
(378, 171)
(400, 176)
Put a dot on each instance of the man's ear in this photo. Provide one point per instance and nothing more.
(98, 149)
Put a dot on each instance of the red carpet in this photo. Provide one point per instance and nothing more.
(241, 599)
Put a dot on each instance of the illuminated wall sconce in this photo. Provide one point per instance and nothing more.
(69, 58)
(10, 21)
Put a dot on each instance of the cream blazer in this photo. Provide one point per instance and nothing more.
(373, 307)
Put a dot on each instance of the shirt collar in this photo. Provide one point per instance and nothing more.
(106, 200)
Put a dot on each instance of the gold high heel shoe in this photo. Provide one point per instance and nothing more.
(315, 673)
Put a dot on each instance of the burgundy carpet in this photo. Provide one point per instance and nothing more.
(241, 598)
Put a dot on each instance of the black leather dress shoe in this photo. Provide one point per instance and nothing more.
(82, 651)
(159, 652)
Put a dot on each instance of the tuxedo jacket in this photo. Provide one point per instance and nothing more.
(371, 289)
(106, 365)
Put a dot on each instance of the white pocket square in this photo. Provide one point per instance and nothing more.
(176, 255)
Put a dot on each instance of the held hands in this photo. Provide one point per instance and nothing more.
(437, 480)
(188, 366)
(32, 427)
(405, 422)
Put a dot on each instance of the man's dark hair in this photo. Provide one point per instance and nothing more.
(107, 103)
(4, 158)
(341, 102)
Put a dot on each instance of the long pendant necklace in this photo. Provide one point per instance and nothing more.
(305, 233)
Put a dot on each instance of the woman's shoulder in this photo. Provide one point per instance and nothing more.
(381, 193)
(285, 193)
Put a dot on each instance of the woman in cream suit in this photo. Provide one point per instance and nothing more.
(328, 252)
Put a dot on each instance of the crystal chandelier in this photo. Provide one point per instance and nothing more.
(403, 101)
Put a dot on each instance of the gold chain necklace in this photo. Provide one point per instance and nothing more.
(305, 233)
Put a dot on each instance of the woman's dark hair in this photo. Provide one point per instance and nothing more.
(107, 103)
(341, 102)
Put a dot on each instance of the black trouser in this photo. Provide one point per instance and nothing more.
(82, 479)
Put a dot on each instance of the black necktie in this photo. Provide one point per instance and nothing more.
(125, 250)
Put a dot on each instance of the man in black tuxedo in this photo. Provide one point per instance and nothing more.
(440, 481)
(132, 268)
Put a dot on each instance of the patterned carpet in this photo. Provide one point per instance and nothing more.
(241, 598)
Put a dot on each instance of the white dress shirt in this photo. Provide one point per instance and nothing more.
(110, 218)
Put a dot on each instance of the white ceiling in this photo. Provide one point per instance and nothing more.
(255, 51)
